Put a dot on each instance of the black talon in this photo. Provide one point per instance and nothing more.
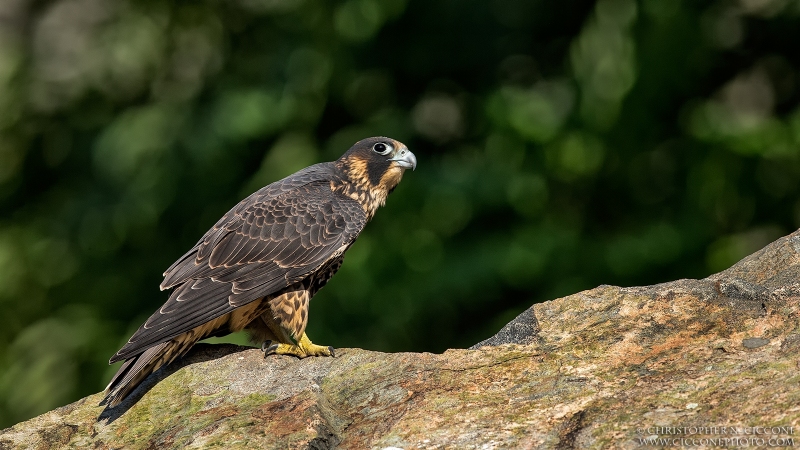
(268, 348)
(330, 349)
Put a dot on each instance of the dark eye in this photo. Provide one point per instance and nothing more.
(382, 148)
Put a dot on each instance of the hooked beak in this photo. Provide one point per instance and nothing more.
(404, 158)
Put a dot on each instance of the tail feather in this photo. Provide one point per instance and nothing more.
(136, 369)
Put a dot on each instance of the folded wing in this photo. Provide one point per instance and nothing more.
(272, 239)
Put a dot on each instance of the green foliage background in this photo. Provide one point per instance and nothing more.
(561, 145)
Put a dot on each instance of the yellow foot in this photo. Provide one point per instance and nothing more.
(303, 348)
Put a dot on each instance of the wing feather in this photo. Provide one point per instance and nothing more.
(270, 240)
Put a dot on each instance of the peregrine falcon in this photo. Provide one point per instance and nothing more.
(257, 268)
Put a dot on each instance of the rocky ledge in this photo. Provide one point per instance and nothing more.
(706, 359)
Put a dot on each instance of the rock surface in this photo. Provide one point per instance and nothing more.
(602, 368)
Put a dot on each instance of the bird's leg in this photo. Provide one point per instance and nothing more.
(303, 348)
(284, 344)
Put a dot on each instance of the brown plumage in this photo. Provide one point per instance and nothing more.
(261, 263)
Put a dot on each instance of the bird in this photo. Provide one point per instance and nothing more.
(259, 266)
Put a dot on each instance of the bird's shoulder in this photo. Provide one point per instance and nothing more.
(301, 207)
(286, 188)
(300, 194)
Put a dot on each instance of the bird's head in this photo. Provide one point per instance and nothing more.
(377, 163)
